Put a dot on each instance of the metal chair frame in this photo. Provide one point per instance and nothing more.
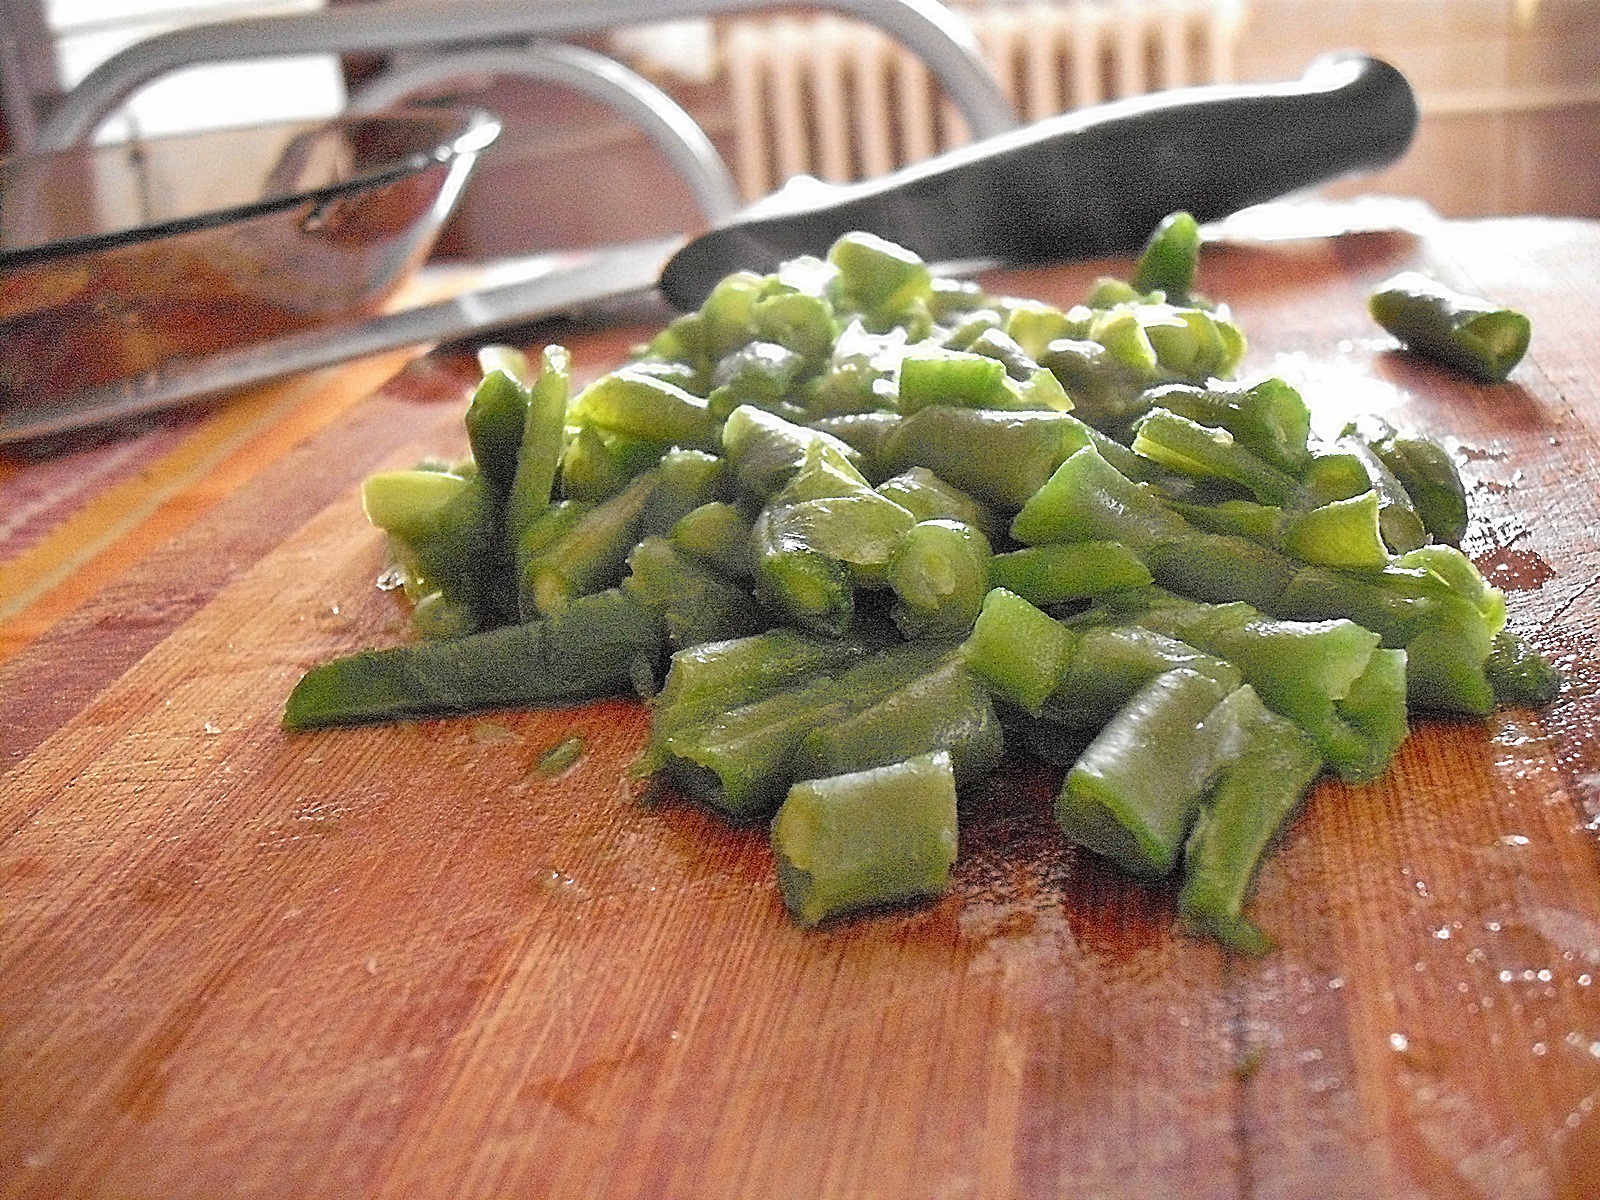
(518, 37)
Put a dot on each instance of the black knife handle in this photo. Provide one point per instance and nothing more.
(1087, 183)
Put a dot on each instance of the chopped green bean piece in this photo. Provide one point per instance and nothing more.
(1268, 767)
(1018, 649)
(1425, 470)
(1170, 258)
(1087, 499)
(1135, 791)
(590, 649)
(940, 573)
(925, 496)
(944, 709)
(880, 836)
(644, 406)
(1267, 417)
(741, 760)
(1341, 533)
(879, 277)
(1110, 665)
(1519, 674)
(1059, 572)
(696, 604)
(589, 555)
(950, 377)
(718, 534)
(494, 427)
(717, 677)
(865, 433)
(1472, 335)
(540, 444)
(1209, 452)
(765, 450)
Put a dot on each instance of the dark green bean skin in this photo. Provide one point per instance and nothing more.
(945, 709)
(539, 445)
(1110, 665)
(741, 761)
(716, 677)
(696, 604)
(596, 646)
(590, 555)
(1472, 335)
(1426, 472)
(1519, 675)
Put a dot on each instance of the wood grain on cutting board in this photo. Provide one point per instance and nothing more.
(402, 962)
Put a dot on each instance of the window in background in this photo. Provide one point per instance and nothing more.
(87, 32)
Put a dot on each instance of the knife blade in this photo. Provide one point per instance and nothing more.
(1083, 184)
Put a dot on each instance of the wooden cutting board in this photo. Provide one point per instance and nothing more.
(403, 962)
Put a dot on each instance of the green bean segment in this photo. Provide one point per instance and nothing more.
(880, 836)
(1472, 335)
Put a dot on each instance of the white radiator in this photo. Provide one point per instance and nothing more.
(839, 100)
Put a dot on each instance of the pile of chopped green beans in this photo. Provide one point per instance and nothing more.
(858, 532)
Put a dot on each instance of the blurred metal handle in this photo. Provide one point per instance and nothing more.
(675, 133)
(931, 31)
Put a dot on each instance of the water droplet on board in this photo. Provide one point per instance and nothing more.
(491, 733)
(561, 756)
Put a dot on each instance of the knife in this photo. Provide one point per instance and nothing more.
(1083, 184)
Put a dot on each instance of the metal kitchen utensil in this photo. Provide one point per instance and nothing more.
(114, 259)
(1086, 183)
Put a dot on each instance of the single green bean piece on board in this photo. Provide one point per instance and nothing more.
(1472, 335)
